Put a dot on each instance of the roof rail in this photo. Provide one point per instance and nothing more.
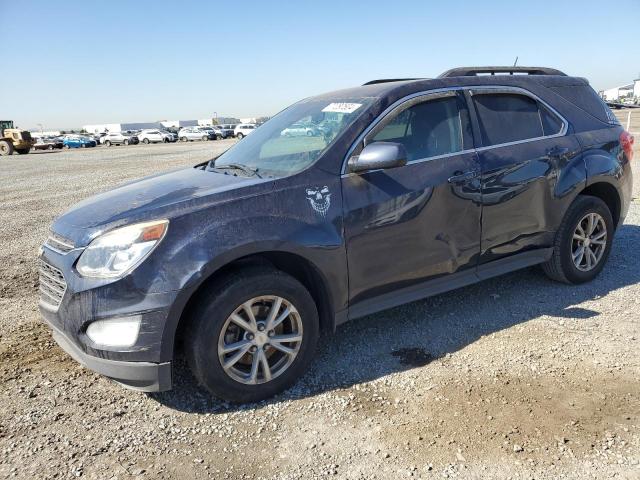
(474, 71)
(387, 80)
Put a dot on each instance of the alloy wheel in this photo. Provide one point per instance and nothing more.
(589, 242)
(260, 340)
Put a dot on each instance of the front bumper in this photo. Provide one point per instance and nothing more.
(142, 376)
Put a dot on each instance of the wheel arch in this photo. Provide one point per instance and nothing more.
(299, 267)
(609, 194)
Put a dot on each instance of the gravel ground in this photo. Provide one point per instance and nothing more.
(514, 377)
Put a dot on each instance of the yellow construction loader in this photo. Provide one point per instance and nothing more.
(13, 139)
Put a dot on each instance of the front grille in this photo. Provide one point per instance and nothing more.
(52, 284)
(59, 243)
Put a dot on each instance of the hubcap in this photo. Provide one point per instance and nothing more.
(589, 242)
(260, 340)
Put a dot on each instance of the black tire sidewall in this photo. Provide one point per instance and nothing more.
(209, 318)
(587, 204)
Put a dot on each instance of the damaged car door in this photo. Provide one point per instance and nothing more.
(407, 225)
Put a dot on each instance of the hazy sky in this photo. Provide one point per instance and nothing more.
(69, 63)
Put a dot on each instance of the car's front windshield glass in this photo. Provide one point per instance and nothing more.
(280, 147)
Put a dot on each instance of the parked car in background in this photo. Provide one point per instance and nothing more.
(219, 131)
(224, 131)
(300, 130)
(195, 133)
(48, 143)
(119, 138)
(212, 130)
(156, 136)
(77, 141)
(243, 130)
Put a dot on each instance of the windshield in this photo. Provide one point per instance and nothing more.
(280, 147)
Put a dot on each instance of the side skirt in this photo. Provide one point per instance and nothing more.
(446, 283)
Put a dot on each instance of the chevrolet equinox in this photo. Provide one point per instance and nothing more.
(401, 189)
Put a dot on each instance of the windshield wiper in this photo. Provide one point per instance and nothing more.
(238, 166)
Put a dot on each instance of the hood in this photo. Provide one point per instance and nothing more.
(158, 196)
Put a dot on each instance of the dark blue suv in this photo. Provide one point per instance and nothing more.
(402, 189)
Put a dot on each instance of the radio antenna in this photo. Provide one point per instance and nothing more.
(516, 62)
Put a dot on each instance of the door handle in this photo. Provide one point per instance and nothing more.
(460, 176)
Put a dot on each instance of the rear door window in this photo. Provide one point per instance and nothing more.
(513, 117)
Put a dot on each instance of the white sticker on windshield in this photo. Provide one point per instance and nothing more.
(342, 107)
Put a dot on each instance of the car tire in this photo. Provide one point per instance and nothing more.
(239, 136)
(205, 138)
(50, 147)
(218, 137)
(66, 147)
(145, 141)
(165, 140)
(579, 251)
(309, 133)
(107, 143)
(211, 324)
(126, 142)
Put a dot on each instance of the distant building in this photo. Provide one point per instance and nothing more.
(123, 127)
(120, 127)
(45, 133)
(624, 91)
(179, 123)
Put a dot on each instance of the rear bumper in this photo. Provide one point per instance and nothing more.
(141, 376)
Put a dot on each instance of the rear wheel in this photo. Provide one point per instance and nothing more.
(252, 335)
(107, 143)
(184, 139)
(205, 138)
(218, 137)
(6, 148)
(50, 147)
(66, 147)
(240, 136)
(582, 243)
(126, 142)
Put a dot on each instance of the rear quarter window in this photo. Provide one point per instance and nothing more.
(586, 98)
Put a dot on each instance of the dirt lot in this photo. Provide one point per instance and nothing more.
(516, 377)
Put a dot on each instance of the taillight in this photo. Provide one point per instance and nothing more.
(626, 140)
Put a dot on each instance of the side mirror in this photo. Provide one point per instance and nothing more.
(379, 155)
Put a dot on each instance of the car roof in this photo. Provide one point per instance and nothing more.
(458, 77)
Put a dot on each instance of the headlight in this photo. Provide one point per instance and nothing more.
(121, 250)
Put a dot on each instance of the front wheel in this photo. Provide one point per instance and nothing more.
(263, 326)
(184, 139)
(240, 136)
(145, 141)
(218, 137)
(6, 148)
(582, 243)
(205, 138)
(107, 143)
(126, 142)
